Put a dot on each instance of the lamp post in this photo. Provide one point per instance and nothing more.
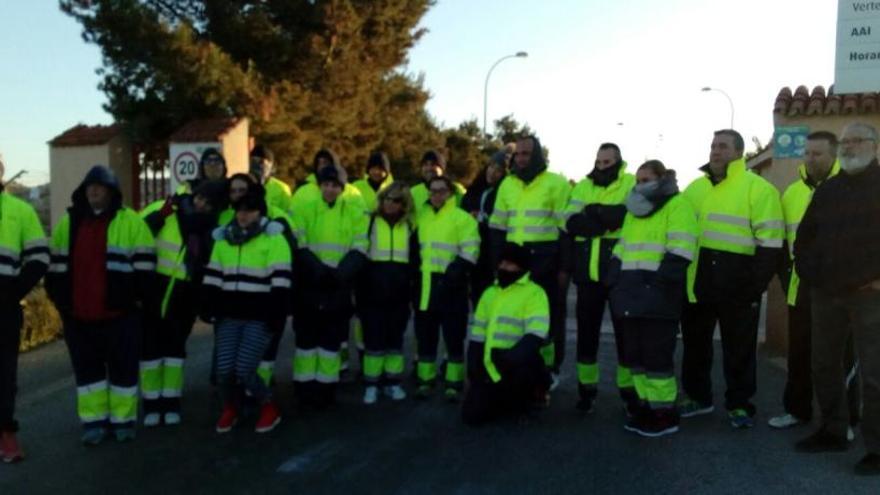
(729, 100)
(486, 86)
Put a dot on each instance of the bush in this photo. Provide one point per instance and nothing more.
(42, 324)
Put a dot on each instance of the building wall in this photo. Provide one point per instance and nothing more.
(236, 149)
(782, 173)
(67, 167)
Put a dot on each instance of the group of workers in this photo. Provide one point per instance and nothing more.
(243, 253)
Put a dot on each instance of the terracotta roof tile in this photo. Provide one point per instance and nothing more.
(204, 130)
(85, 135)
(817, 102)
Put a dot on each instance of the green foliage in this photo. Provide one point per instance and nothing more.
(309, 74)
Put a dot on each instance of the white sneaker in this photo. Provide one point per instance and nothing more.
(152, 419)
(554, 381)
(371, 394)
(850, 434)
(172, 418)
(396, 392)
(783, 421)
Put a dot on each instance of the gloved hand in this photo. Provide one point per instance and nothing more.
(168, 207)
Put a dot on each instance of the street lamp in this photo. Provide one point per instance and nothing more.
(486, 86)
(729, 100)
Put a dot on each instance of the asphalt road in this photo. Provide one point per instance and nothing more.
(411, 447)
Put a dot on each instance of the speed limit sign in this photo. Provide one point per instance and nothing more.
(185, 167)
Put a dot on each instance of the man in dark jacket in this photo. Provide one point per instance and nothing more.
(836, 254)
(103, 260)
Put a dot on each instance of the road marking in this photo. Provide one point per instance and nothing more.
(317, 454)
(45, 391)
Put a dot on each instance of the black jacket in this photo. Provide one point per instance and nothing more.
(838, 240)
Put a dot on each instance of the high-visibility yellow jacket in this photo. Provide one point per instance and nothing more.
(447, 236)
(309, 194)
(654, 253)
(736, 217)
(391, 270)
(592, 253)
(131, 260)
(368, 193)
(421, 195)
(278, 195)
(531, 212)
(24, 250)
(249, 281)
(795, 201)
(505, 315)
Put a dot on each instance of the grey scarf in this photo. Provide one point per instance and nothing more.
(649, 197)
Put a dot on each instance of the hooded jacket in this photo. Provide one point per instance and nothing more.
(130, 257)
(309, 194)
(367, 188)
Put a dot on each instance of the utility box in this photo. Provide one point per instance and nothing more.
(73, 152)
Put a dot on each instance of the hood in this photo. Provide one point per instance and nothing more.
(98, 174)
(335, 173)
(324, 153)
(536, 165)
(211, 153)
(434, 156)
(379, 159)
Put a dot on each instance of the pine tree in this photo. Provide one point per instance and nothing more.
(308, 73)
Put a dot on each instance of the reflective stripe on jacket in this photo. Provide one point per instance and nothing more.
(506, 315)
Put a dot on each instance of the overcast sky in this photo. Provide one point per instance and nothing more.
(592, 64)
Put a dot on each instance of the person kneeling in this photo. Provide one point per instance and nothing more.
(247, 285)
(506, 373)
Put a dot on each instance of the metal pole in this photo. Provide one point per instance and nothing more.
(486, 85)
(729, 100)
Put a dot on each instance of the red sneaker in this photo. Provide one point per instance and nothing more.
(228, 418)
(269, 417)
(10, 448)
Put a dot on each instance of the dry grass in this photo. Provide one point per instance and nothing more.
(42, 323)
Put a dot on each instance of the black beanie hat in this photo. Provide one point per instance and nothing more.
(517, 254)
(215, 191)
(254, 199)
(379, 159)
(263, 152)
(436, 157)
(333, 173)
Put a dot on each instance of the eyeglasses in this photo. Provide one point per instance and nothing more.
(394, 199)
(854, 141)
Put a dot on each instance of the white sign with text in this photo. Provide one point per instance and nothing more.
(857, 68)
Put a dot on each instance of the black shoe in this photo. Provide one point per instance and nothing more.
(584, 405)
(869, 465)
(822, 441)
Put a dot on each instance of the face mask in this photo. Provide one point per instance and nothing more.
(507, 277)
